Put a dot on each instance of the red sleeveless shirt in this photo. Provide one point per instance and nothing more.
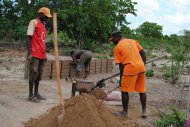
(38, 41)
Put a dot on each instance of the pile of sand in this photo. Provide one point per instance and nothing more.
(81, 111)
(87, 111)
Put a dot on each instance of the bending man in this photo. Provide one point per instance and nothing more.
(84, 58)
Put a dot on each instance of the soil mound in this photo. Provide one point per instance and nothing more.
(99, 93)
(81, 111)
(87, 111)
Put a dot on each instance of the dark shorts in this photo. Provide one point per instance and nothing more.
(36, 69)
(84, 61)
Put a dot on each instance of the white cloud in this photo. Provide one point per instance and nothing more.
(173, 15)
(147, 4)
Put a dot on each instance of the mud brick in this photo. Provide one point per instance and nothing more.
(92, 71)
(109, 70)
(45, 77)
(109, 65)
(65, 65)
(53, 70)
(98, 66)
(98, 69)
(26, 69)
(73, 74)
(46, 73)
(54, 77)
(48, 63)
(93, 63)
(104, 70)
(63, 75)
(104, 65)
(93, 67)
(47, 68)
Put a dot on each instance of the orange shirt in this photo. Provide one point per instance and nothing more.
(127, 53)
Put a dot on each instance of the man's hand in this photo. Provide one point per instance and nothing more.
(74, 62)
(29, 57)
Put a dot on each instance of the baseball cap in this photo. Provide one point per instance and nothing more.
(46, 11)
(114, 34)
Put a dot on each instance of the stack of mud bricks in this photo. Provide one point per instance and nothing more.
(97, 66)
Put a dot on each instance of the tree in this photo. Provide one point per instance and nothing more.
(83, 20)
(92, 20)
(186, 39)
(150, 30)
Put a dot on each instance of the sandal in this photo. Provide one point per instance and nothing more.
(40, 97)
(34, 99)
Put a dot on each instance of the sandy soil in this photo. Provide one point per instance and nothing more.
(16, 110)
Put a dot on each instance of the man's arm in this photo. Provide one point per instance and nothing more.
(77, 54)
(28, 44)
(143, 55)
(74, 57)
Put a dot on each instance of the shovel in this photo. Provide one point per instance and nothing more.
(100, 94)
(59, 87)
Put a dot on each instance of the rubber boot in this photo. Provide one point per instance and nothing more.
(73, 90)
(31, 97)
(86, 75)
(125, 101)
(31, 89)
(78, 75)
(143, 99)
(36, 91)
(36, 87)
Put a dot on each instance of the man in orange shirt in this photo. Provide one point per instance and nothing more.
(131, 59)
(36, 46)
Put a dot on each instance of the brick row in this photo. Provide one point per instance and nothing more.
(97, 66)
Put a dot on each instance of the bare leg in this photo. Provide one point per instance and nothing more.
(125, 101)
(143, 99)
(86, 74)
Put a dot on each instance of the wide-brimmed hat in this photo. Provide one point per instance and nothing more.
(46, 11)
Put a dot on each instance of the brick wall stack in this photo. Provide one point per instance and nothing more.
(97, 66)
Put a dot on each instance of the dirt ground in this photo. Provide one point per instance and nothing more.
(15, 110)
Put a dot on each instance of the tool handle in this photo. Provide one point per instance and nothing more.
(111, 76)
(149, 61)
(59, 87)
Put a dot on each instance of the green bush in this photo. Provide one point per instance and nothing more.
(167, 71)
(8, 68)
(150, 73)
(171, 117)
(1, 61)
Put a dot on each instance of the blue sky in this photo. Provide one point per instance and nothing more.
(173, 15)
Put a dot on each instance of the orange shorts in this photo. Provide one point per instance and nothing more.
(133, 83)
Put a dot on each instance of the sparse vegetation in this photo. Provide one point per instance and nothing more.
(150, 73)
(8, 68)
(171, 117)
(1, 61)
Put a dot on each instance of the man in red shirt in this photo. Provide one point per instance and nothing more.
(131, 58)
(36, 39)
